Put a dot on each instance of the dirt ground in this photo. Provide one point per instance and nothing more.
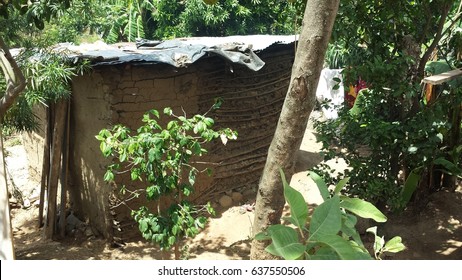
(435, 234)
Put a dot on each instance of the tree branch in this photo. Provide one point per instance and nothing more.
(437, 38)
(15, 81)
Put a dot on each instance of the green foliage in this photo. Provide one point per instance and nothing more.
(55, 22)
(392, 128)
(37, 11)
(49, 75)
(331, 233)
(376, 144)
(129, 19)
(380, 247)
(126, 20)
(335, 56)
(161, 158)
(231, 17)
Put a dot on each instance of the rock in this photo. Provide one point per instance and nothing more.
(225, 201)
(237, 197)
(73, 223)
(88, 232)
(249, 193)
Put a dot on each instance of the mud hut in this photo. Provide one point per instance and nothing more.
(250, 73)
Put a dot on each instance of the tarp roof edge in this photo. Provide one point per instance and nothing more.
(182, 52)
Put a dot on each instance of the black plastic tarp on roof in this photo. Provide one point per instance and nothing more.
(182, 52)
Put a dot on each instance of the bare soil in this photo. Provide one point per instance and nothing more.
(433, 234)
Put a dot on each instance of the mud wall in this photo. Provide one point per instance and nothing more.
(123, 93)
(252, 104)
(34, 143)
(90, 112)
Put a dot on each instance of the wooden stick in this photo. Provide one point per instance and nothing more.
(56, 151)
(64, 173)
(443, 77)
(45, 164)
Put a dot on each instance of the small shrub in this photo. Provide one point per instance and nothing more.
(161, 159)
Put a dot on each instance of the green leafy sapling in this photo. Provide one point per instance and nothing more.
(161, 160)
(381, 247)
(330, 232)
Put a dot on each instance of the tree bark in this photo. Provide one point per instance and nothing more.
(300, 99)
(6, 233)
(15, 84)
(15, 81)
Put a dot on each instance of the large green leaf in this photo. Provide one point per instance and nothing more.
(326, 219)
(349, 228)
(325, 253)
(394, 245)
(344, 249)
(409, 187)
(297, 204)
(449, 167)
(285, 242)
(262, 236)
(321, 185)
(379, 241)
(143, 225)
(363, 209)
(341, 184)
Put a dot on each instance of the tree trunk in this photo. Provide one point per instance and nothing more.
(6, 234)
(15, 84)
(300, 99)
(15, 81)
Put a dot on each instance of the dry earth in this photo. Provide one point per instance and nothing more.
(434, 234)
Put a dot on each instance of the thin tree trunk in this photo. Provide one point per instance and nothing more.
(15, 81)
(6, 234)
(15, 84)
(58, 133)
(316, 30)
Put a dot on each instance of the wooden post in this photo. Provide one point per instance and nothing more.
(6, 234)
(449, 181)
(64, 173)
(56, 151)
(45, 164)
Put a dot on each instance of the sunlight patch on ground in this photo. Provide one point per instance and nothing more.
(452, 225)
(452, 246)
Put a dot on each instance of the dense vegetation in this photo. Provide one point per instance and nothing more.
(126, 20)
(398, 137)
